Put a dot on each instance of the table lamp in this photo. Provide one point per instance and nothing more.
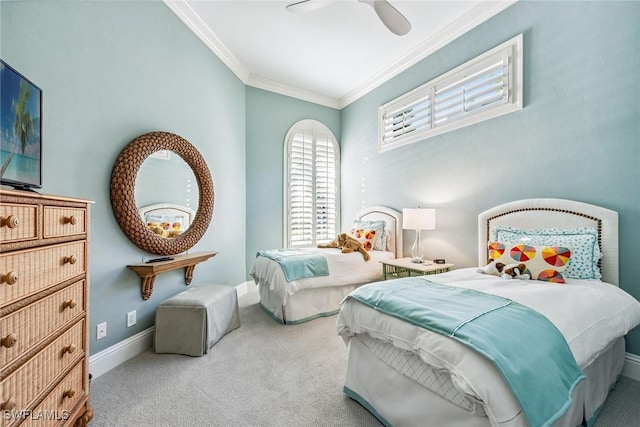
(418, 219)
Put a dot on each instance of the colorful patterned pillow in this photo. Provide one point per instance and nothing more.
(546, 263)
(585, 251)
(376, 232)
(366, 237)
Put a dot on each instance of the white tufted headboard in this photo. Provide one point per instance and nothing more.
(168, 210)
(393, 220)
(548, 213)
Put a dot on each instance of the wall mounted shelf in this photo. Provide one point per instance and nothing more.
(147, 271)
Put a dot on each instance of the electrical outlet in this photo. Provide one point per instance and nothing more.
(131, 318)
(101, 330)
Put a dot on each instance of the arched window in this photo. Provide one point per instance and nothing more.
(312, 184)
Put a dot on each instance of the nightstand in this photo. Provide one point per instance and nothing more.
(403, 267)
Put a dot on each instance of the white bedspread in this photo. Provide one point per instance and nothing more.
(589, 314)
(344, 269)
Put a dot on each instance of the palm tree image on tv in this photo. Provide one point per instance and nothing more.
(23, 125)
(19, 129)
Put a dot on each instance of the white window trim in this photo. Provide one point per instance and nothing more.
(512, 47)
(318, 129)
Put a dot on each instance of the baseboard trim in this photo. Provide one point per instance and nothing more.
(109, 358)
(104, 361)
(243, 288)
(631, 367)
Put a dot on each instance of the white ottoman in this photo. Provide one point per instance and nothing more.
(192, 321)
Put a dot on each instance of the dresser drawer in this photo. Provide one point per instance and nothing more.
(26, 272)
(18, 222)
(24, 328)
(58, 406)
(64, 221)
(24, 385)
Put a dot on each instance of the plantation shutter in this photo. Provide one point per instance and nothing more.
(484, 87)
(412, 114)
(312, 187)
(301, 194)
(481, 86)
(325, 194)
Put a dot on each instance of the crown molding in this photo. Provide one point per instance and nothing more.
(193, 21)
(465, 23)
(470, 20)
(292, 91)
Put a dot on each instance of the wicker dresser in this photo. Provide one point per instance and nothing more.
(44, 301)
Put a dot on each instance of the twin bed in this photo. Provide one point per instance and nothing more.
(307, 298)
(560, 346)
(408, 372)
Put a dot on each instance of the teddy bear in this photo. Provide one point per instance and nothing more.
(160, 231)
(506, 271)
(156, 229)
(169, 234)
(347, 244)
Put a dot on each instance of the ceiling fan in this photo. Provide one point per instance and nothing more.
(389, 15)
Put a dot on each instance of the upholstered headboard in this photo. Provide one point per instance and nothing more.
(167, 212)
(393, 220)
(551, 213)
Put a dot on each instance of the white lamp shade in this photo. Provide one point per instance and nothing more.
(418, 219)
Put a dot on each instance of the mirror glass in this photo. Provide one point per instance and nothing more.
(166, 193)
(160, 169)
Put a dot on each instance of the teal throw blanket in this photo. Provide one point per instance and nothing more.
(298, 263)
(526, 348)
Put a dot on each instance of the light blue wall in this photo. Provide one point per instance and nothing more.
(269, 117)
(578, 136)
(111, 71)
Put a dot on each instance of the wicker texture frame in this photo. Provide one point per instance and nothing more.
(123, 178)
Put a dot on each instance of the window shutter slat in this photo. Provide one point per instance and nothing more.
(407, 117)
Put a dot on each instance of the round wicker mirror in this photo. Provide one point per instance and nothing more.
(123, 178)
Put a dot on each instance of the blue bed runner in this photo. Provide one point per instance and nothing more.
(527, 349)
(298, 263)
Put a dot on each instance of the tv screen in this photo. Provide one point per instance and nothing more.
(20, 130)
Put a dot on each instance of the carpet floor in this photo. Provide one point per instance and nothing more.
(261, 374)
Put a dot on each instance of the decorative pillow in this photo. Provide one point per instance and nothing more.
(166, 222)
(585, 251)
(546, 263)
(364, 236)
(375, 232)
(386, 238)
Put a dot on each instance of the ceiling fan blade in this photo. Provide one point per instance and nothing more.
(304, 6)
(390, 16)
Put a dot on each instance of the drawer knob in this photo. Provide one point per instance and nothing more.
(8, 404)
(70, 304)
(9, 341)
(71, 259)
(11, 221)
(10, 278)
(70, 220)
(71, 348)
(69, 393)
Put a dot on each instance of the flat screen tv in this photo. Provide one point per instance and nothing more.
(20, 130)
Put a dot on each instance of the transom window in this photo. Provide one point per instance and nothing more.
(312, 184)
(485, 87)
